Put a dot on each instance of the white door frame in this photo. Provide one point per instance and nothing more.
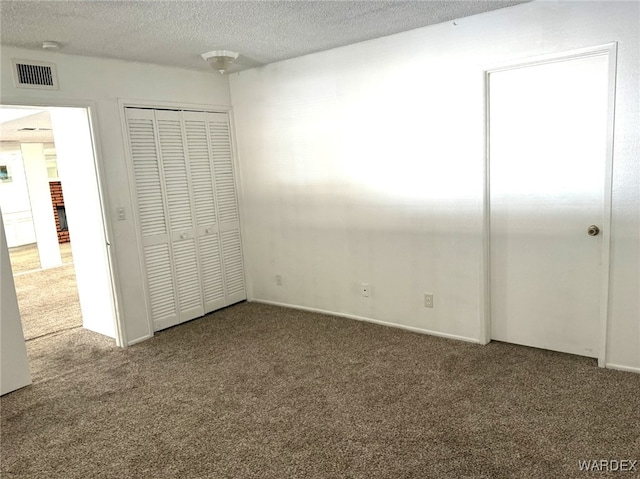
(123, 104)
(90, 107)
(609, 49)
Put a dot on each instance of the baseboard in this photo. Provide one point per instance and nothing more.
(368, 320)
(139, 340)
(620, 367)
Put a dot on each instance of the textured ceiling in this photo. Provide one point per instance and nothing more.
(36, 122)
(177, 32)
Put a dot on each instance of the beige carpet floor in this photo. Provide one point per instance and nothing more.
(26, 258)
(48, 301)
(256, 391)
(47, 298)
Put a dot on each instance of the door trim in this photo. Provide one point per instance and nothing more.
(98, 160)
(123, 104)
(611, 50)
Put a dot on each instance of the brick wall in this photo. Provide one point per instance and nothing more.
(58, 200)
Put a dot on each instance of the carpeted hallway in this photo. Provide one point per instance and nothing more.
(257, 391)
(47, 298)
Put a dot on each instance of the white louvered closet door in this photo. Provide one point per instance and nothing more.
(180, 211)
(227, 206)
(185, 185)
(147, 172)
(207, 230)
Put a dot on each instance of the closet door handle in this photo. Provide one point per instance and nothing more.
(184, 236)
(593, 230)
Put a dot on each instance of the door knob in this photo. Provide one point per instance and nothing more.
(593, 230)
(184, 235)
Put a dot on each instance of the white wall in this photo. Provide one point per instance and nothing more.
(14, 366)
(14, 198)
(44, 221)
(365, 165)
(101, 82)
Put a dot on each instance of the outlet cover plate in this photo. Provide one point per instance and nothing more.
(428, 300)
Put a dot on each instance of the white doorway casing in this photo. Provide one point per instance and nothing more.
(78, 170)
(14, 366)
(549, 159)
(182, 166)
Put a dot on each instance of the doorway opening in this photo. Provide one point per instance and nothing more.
(549, 157)
(52, 213)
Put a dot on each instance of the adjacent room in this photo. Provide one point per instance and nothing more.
(330, 239)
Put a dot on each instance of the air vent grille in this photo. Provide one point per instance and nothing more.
(39, 75)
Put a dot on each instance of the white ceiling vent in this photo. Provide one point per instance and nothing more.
(40, 75)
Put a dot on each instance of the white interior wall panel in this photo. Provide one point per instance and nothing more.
(14, 363)
(366, 164)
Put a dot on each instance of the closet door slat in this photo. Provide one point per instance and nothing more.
(148, 181)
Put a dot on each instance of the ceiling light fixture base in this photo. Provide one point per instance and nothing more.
(221, 60)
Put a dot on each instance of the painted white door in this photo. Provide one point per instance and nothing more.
(154, 228)
(548, 129)
(206, 216)
(212, 183)
(78, 175)
(176, 176)
(227, 205)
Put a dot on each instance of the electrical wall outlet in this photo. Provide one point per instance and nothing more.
(365, 290)
(279, 279)
(428, 300)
